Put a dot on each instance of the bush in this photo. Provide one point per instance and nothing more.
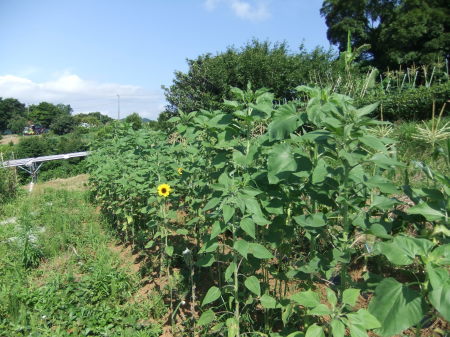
(8, 185)
(411, 104)
(37, 146)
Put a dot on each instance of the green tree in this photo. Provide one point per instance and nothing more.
(63, 124)
(399, 31)
(46, 113)
(135, 120)
(17, 124)
(207, 82)
(10, 108)
(92, 118)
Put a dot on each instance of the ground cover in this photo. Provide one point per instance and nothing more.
(61, 274)
(298, 220)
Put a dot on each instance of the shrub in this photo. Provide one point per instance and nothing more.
(8, 185)
(411, 104)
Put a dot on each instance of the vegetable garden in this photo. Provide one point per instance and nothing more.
(294, 220)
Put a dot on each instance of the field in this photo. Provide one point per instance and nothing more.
(9, 138)
(307, 219)
(298, 220)
(62, 274)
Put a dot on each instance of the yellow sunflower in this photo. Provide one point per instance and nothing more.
(164, 190)
(180, 171)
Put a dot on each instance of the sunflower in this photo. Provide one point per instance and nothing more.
(180, 171)
(164, 190)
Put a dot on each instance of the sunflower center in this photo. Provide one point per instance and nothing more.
(163, 190)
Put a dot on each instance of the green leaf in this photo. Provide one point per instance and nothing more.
(320, 172)
(373, 142)
(296, 334)
(440, 293)
(206, 260)
(211, 204)
(248, 226)
(365, 110)
(350, 296)
(440, 255)
(242, 247)
(260, 251)
(169, 250)
(252, 284)
(309, 298)
(315, 220)
(251, 204)
(149, 244)
(229, 271)
(396, 307)
(280, 163)
(268, 301)
(206, 318)
(212, 295)
(228, 212)
(366, 319)
(233, 327)
(337, 328)
(285, 121)
(385, 162)
(383, 203)
(217, 228)
(182, 231)
(426, 211)
(315, 331)
(331, 297)
(260, 220)
(320, 310)
(402, 250)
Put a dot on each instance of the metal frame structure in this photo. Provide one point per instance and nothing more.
(32, 165)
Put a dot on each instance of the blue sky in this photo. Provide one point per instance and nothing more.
(85, 52)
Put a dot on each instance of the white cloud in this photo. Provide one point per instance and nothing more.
(258, 11)
(84, 95)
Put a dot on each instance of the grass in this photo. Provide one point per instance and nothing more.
(58, 275)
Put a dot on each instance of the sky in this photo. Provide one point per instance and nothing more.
(86, 52)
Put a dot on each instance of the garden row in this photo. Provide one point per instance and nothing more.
(284, 222)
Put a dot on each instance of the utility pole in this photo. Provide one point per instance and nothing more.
(118, 107)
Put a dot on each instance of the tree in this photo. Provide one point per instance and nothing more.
(17, 124)
(208, 79)
(46, 113)
(10, 108)
(135, 120)
(63, 124)
(399, 31)
(92, 118)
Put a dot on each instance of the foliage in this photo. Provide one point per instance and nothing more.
(63, 124)
(399, 32)
(8, 185)
(207, 82)
(17, 124)
(135, 120)
(95, 119)
(46, 113)
(279, 204)
(36, 146)
(10, 108)
(80, 288)
(409, 104)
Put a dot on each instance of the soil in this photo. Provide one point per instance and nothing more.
(6, 139)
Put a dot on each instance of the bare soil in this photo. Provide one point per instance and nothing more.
(6, 139)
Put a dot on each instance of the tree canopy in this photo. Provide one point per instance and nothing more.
(207, 82)
(10, 108)
(46, 113)
(399, 31)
